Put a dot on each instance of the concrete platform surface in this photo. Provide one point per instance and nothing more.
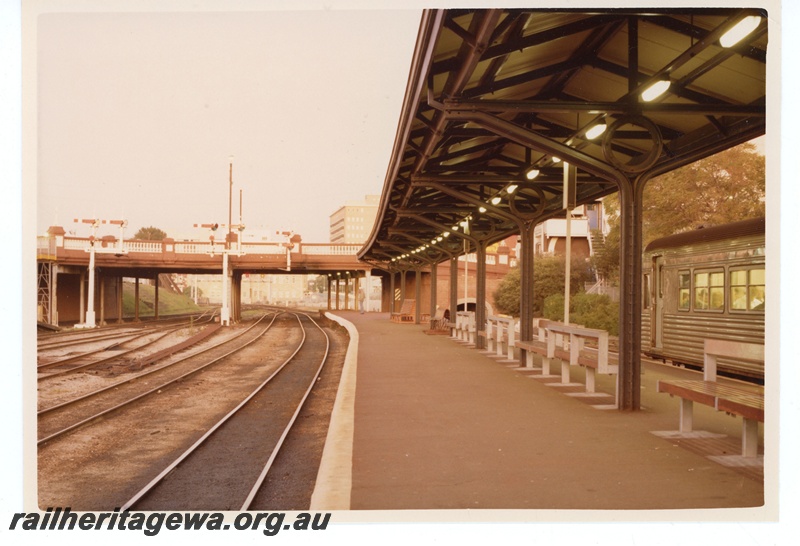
(437, 425)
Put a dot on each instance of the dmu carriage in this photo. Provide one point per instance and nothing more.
(705, 284)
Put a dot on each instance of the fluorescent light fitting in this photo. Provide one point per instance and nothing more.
(596, 130)
(656, 90)
(739, 31)
(495, 200)
(531, 174)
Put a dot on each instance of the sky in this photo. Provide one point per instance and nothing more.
(140, 113)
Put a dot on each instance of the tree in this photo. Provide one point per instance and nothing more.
(320, 283)
(150, 234)
(723, 188)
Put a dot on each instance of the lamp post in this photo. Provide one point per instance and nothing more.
(230, 202)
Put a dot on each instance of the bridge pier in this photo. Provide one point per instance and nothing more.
(136, 301)
(155, 301)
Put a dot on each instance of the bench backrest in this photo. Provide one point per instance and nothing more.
(713, 348)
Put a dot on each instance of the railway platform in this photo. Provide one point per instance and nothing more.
(437, 425)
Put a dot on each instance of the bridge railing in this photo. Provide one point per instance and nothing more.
(263, 248)
(47, 247)
(323, 249)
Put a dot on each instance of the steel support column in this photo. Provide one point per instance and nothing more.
(417, 295)
(630, 312)
(391, 293)
(453, 287)
(480, 296)
(329, 293)
(526, 281)
(434, 273)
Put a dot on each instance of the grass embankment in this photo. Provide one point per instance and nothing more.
(169, 303)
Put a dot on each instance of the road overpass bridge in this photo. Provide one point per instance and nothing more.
(68, 266)
(112, 258)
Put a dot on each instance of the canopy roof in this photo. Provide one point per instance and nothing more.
(492, 93)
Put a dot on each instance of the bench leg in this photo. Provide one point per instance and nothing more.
(749, 438)
(545, 366)
(590, 379)
(564, 372)
(685, 424)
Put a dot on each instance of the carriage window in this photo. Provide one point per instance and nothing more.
(747, 290)
(646, 291)
(709, 291)
(684, 284)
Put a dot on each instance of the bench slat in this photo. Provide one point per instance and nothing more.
(745, 401)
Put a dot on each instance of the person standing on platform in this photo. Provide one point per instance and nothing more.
(361, 298)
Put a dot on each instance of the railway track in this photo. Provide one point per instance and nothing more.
(225, 469)
(66, 416)
(95, 357)
(60, 340)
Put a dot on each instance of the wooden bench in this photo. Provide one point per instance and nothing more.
(537, 346)
(573, 351)
(406, 314)
(464, 327)
(746, 401)
(440, 322)
(500, 335)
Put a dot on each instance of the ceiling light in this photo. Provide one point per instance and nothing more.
(740, 30)
(531, 174)
(656, 90)
(556, 159)
(446, 234)
(596, 131)
(512, 188)
(482, 209)
(495, 200)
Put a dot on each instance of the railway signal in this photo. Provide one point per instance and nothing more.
(118, 250)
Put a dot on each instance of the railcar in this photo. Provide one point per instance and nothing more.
(701, 284)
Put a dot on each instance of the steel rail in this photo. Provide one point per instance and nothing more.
(257, 486)
(166, 332)
(210, 432)
(155, 389)
(49, 344)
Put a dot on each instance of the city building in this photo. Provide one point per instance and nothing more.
(353, 222)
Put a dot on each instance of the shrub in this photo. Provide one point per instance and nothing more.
(590, 310)
(548, 278)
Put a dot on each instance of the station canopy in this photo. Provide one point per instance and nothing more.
(495, 94)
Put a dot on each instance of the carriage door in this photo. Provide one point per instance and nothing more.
(657, 317)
